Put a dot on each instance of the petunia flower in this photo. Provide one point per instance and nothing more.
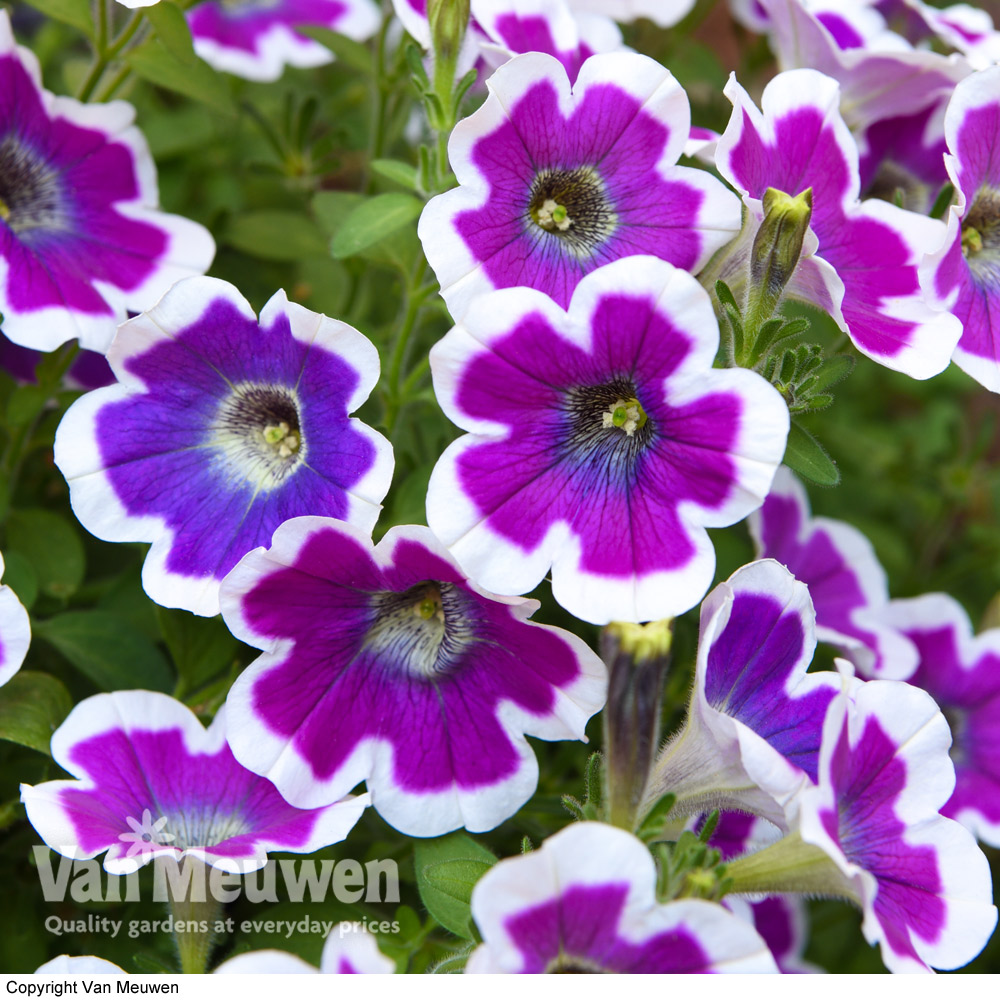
(865, 271)
(348, 949)
(585, 902)
(966, 270)
(221, 428)
(877, 81)
(555, 181)
(603, 442)
(783, 923)
(846, 582)
(962, 673)
(921, 881)
(140, 753)
(81, 237)
(15, 632)
(256, 39)
(411, 678)
(752, 734)
(512, 27)
(665, 13)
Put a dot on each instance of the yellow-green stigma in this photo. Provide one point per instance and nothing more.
(283, 440)
(626, 414)
(553, 216)
(4, 210)
(972, 240)
(430, 606)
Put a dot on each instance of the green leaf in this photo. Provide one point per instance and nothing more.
(76, 13)
(51, 545)
(398, 172)
(447, 868)
(172, 30)
(111, 651)
(154, 61)
(19, 575)
(373, 220)
(331, 208)
(200, 647)
(806, 456)
(32, 706)
(348, 51)
(834, 370)
(272, 235)
(24, 404)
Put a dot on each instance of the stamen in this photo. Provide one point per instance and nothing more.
(626, 414)
(4, 210)
(972, 240)
(283, 439)
(552, 215)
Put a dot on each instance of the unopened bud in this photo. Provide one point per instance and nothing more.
(448, 21)
(776, 249)
(637, 656)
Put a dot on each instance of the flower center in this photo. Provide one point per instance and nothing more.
(572, 206)
(423, 630)
(30, 194)
(571, 964)
(608, 427)
(205, 829)
(626, 414)
(981, 236)
(257, 436)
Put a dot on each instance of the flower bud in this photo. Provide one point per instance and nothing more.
(637, 656)
(776, 249)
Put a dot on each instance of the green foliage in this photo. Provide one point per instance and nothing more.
(806, 456)
(447, 870)
(31, 709)
(112, 652)
(372, 221)
(51, 546)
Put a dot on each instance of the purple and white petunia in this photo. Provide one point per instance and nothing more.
(222, 427)
(966, 270)
(412, 679)
(783, 923)
(888, 80)
(921, 880)
(81, 238)
(962, 673)
(752, 734)
(153, 782)
(603, 442)
(256, 39)
(516, 26)
(665, 13)
(555, 181)
(349, 949)
(585, 902)
(846, 582)
(865, 271)
(15, 632)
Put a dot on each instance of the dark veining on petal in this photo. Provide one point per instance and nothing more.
(30, 193)
(572, 207)
(981, 237)
(258, 434)
(425, 629)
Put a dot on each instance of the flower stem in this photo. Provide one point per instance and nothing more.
(790, 865)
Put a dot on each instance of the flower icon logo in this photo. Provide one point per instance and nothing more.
(145, 835)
